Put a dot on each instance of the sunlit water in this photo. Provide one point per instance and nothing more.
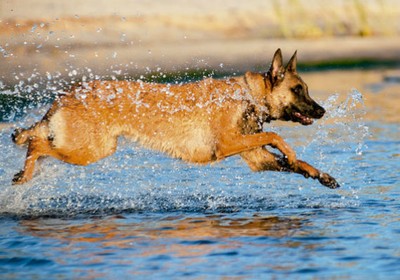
(141, 214)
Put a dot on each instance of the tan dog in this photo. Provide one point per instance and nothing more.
(198, 122)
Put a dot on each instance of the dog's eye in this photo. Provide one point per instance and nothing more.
(297, 89)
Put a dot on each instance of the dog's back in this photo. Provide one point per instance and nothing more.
(83, 125)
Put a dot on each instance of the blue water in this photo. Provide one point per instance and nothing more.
(140, 214)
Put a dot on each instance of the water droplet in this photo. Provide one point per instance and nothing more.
(123, 37)
(34, 28)
(4, 52)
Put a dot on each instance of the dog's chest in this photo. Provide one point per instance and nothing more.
(252, 120)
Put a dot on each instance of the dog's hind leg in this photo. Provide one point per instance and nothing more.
(26, 174)
(37, 147)
(260, 159)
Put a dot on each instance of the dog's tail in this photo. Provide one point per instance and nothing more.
(21, 136)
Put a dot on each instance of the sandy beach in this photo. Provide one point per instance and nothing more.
(136, 36)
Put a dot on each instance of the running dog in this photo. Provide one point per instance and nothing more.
(198, 122)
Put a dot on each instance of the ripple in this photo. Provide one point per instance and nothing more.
(24, 261)
(224, 254)
(198, 242)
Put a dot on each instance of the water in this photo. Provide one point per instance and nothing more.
(140, 214)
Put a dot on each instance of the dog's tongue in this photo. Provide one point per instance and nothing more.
(303, 119)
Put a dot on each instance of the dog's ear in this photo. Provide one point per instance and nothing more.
(292, 64)
(277, 71)
(276, 64)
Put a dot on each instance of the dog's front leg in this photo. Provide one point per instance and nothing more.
(260, 159)
(307, 170)
(235, 143)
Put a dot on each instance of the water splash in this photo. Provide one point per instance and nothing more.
(345, 130)
(348, 117)
(138, 180)
(334, 142)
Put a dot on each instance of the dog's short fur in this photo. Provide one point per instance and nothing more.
(198, 122)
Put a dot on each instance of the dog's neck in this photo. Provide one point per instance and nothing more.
(260, 86)
(257, 86)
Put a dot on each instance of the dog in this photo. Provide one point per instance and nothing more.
(199, 122)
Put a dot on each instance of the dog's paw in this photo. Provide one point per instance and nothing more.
(291, 160)
(328, 181)
(19, 178)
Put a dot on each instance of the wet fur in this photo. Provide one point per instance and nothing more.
(198, 122)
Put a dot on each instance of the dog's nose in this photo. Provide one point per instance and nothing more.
(319, 111)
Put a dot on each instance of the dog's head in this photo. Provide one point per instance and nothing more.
(289, 99)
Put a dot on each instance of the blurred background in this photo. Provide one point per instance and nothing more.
(135, 36)
(46, 45)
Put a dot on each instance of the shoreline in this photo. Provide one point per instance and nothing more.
(176, 35)
(227, 55)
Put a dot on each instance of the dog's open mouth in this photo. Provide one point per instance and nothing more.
(298, 117)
